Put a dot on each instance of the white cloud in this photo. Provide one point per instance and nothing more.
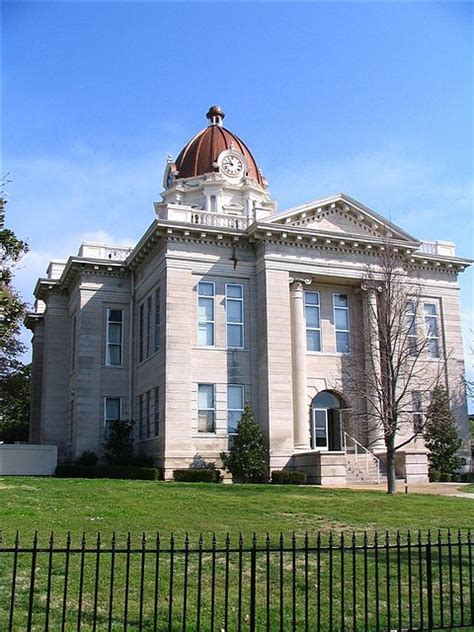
(408, 189)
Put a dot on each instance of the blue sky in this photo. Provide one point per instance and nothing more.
(373, 99)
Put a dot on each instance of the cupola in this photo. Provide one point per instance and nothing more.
(215, 149)
(215, 173)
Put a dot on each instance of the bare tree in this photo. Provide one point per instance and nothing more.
(389, 367)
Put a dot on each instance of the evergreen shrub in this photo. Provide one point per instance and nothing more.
(88, 458)
(434, 476)
(441, 434)
(197, 475)
(289, 477)
(445, 477)
(247, 459)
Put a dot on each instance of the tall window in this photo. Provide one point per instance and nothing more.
(73, 343)
(206, 408)
(417, 412)
(411, 327)
(235, 406)
(341, 322)
(313, 321)
(71, 420)
(112, 412)
(148, 325)
(141, 331)
(156, 411)
(234, 301)
(140, 415)
(157, 318)
(148, 413)
(431, 329)
(206, 294)
(114, 337)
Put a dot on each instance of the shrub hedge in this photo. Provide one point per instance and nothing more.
(88, 458)
(197, 475)
(289, 477)
(434, 476)
(445, 477)
(108, 471)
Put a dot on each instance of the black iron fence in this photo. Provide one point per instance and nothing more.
(326, 582)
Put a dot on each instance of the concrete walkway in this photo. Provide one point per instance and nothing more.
(437, 489)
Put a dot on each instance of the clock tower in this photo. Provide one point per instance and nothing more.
(216, 173)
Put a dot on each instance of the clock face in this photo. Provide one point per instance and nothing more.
(232, 165)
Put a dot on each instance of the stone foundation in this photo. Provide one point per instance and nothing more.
(416, 467)
(322, 468)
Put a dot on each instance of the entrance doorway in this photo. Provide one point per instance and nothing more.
(326, 422)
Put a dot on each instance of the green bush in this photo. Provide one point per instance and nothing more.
(445, 477)
(88, 458)
(434, 476)
(119, 444)
(108, 471)
(140, 461)
(197, 475)
(289, 477)
(441, 434)
(247, 459)
(467, 477)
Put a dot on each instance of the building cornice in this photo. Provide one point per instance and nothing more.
(343, 243)
(74, 267)
(278, 234)
(32, 319)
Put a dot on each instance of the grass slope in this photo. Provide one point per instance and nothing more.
(113, 505)
(298, 594)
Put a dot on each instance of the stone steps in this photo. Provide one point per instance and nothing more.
(358, 472)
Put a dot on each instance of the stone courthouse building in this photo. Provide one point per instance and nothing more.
(225, 301)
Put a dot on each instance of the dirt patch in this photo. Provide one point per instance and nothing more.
(435, 489)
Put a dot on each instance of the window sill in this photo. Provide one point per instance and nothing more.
(330, 354)
(209, 348)
(208, 435)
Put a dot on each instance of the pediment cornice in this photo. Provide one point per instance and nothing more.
(357, 214)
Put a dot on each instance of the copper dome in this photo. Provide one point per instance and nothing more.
(199, 156)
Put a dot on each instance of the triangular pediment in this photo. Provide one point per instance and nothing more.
(341, 215)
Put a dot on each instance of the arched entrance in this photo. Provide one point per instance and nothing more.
(326, 421)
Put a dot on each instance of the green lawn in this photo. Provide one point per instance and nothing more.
(111, 505)
(297, 588)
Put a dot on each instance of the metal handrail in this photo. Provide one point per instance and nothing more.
(367, 452)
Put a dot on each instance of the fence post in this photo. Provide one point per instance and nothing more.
(429, 582)
(253, 572)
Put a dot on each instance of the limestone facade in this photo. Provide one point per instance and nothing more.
(224, 301)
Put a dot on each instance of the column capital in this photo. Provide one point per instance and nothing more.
(371, 286)
(300, 281)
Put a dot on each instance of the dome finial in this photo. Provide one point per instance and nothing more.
(215, 115)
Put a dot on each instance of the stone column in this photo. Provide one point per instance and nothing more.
(376, 432)
(301, 435)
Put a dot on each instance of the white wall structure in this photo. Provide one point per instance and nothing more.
(28, 460)
(225, 301)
